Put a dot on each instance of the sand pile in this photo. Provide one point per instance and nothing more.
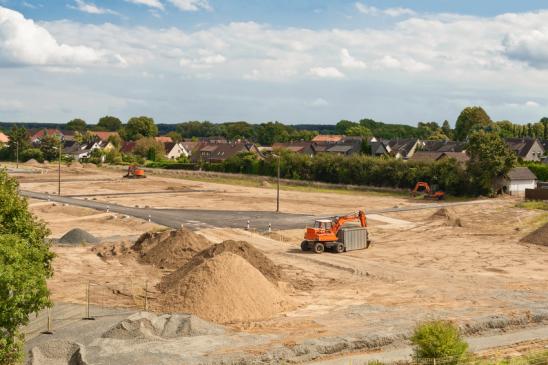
(145, 325)
(223, 289)
(32, 161)
(107, 250)
(537, 237)
(77, 236)
(449, 215)
(243, 249)
(170, 249)
(58, 352)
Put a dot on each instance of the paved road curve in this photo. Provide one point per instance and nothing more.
(198, 218)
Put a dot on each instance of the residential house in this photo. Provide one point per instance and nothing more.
(527, 149)
(37, 136)
(102, 135)
(127, 147)
(426, 156)
(378, 148)
(175, 150)
(83, 150)
(164, 139)
(4, 138)
(306, 148)
(341, 149)
(442, 146)
(219, 152)
(459, 156)
(402, 148)
(517, 180)
(328, 138)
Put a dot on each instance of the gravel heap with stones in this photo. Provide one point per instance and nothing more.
(537, 237)
(78, 236)
(225, 288)
(146, 325)
(171, 249)
(449, 215)
(58, 352)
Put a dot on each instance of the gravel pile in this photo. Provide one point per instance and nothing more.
(58, 352)
(146, 325)
(78, 236)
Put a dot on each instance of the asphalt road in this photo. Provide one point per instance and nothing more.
(198, 218)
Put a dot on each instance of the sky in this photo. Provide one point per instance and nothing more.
(294, 61)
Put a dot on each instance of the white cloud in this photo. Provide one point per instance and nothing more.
(156, 4)
(90, 8)
(530, 46)
(394, 12)
(205, 61)
(191, 5)
(532, 104)
(24, 42)
(319, 102)
(350, 62)
(326, 72)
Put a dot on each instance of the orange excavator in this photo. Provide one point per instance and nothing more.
(135, 172)
(330, 234)
(424, 188)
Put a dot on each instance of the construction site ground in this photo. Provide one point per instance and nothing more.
(465, 264)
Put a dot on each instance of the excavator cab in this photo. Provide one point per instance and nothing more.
(423, 188)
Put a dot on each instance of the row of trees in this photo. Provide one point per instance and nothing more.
(489, 158)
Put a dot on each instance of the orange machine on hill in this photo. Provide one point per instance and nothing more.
(135, 172)
(330, 234)
(424, 188)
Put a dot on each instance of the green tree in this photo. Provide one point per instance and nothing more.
(272, 132)
(197, 129)
(49, 145)
(175, 136)
(116, 141)
(138, 127)
(359, 131)
(446, 129)
(109, 123)
(438, 340)
(437, 136)
(77, 125)
(18, 140)
(490, 158)
(544, 122)
(237, 130)
(31, 153)
(150, 149)
(471, 119)
(344, 125)
(25, 265)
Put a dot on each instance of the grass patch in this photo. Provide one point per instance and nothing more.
(533, 204)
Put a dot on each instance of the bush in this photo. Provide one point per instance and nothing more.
(438, 339)
(539, 169)
(32, 153)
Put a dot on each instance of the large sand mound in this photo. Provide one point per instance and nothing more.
(170, 249)
(252, 255)
(145, 325)
(225, 288)
(538, 237)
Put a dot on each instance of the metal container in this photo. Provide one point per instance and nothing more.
(354, 238)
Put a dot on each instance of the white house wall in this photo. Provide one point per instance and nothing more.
(517, 187)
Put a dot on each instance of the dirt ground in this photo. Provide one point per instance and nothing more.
(419, 266)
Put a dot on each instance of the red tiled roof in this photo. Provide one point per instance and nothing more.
(4, 138)
(164, 139)
(328, 138)
(103, 136)
(50, 132)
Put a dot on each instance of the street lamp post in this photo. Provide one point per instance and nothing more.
(278, 185)
(17, 152)
(59, 171)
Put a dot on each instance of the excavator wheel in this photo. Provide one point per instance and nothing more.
(318, 247)
(305, 246)
(339, 248)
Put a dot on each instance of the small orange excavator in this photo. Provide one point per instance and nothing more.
(424, 188)
(330, 234)
(135, 172)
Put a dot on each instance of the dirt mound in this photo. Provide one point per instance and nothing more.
(537, 237)
(223, 289)
(145, 325)
(449, 215)
(109, 249)
(77, 236)
(171, 249)
(32, 161)
(57, 352)
(243, 249)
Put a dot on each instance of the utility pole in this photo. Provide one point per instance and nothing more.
(278, 184)
(17, 152)
(59, 169)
